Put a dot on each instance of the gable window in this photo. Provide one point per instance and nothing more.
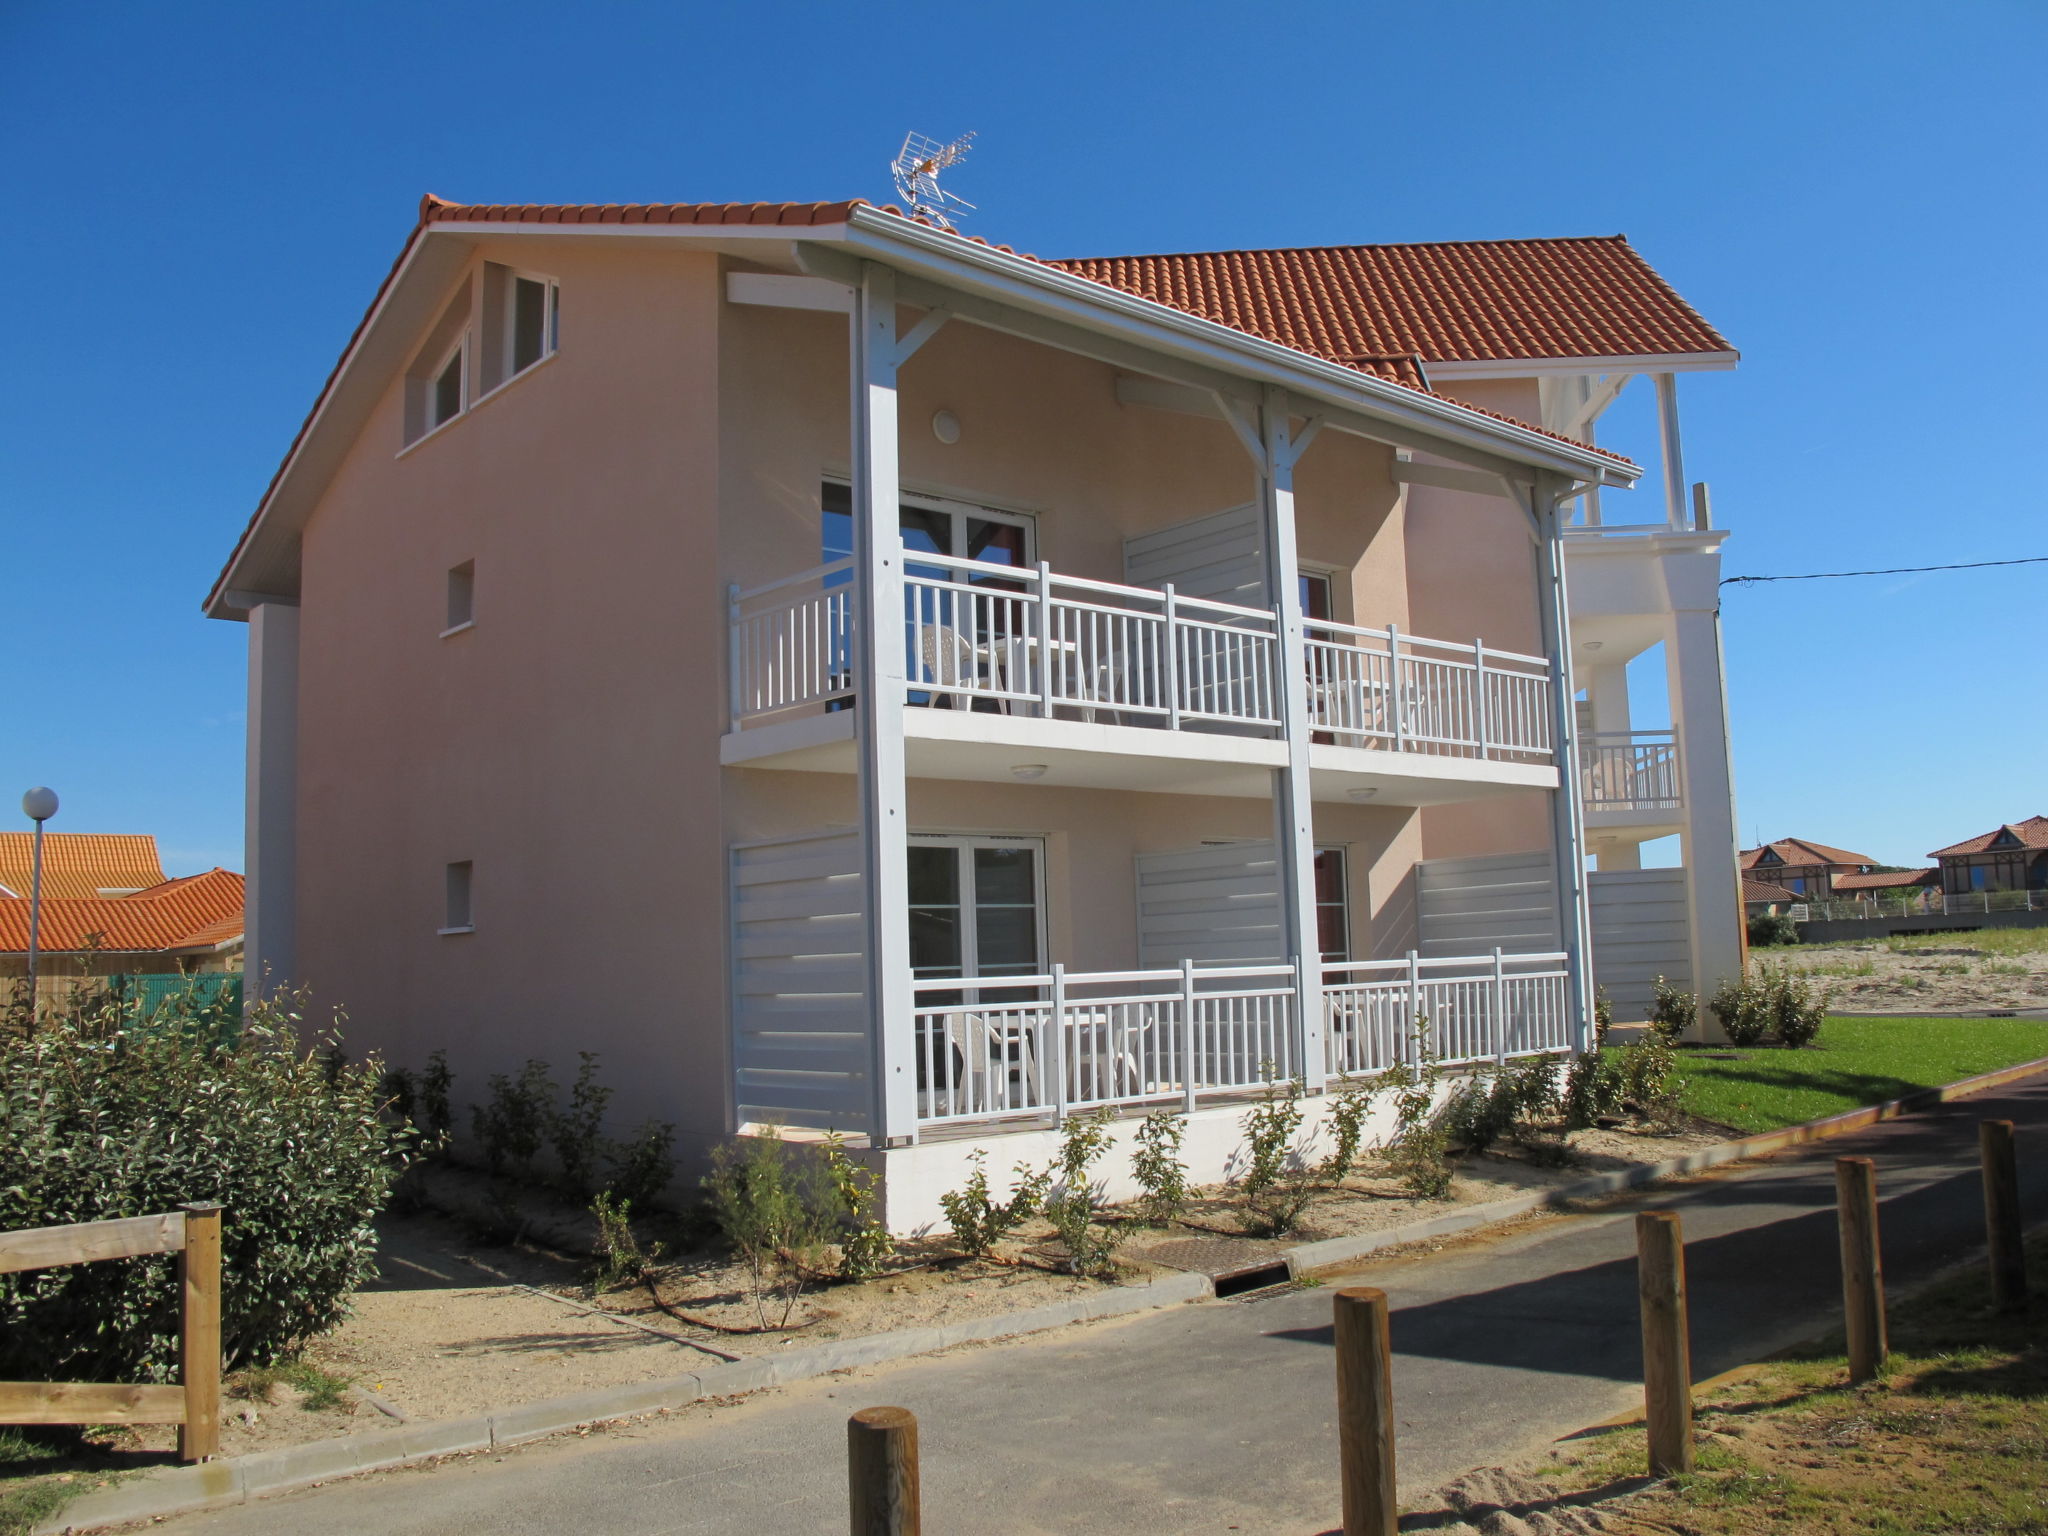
(461, 597)
(531, 320)
(522, 322)
(447, 393)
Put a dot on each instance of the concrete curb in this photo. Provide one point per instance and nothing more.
(184, 1490)
(1309, 1257)
(236, 1480)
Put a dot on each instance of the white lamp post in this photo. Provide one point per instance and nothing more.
(38, 805)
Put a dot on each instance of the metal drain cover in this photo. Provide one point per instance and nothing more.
(1219, 1258)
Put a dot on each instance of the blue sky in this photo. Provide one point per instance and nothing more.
(202, 199)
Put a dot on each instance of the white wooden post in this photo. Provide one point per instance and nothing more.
(271, 812)
(1294, 802)
(1056, 1054)
(1479, 683)
(1169, 668)
(1394, 691)
(1673, 454)
(880, 682)
(732, 650)
(1045, 654)
(1187, 1035)
(1500, 1009)
(1414, 1000)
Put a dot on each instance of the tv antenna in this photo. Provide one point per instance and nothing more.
(916, 169)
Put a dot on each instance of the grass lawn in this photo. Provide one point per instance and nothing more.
(1951, 1437)
(1855, 1062)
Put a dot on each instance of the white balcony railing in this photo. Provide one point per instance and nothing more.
(1043, 1045)
(1630, 771)
(1381, 688)
(1479, 1008)
(1027, 640)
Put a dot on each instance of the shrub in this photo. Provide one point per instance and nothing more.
(618, 1259)
(865, 1246)
(760, 1205)
(642, 1164)
(574, 1132)
(98, 1121)
(1770, 929)
(980, 1221)
(1797, 1010)
(1592, 1089)
(1073, 1209)
(1416, 1152)
(512, 1123)
(1349, 1107)
(436, 1082)
(1649, 1084)
(1744, 1009)
(1157, 1166)
(1278, 1184)
(1674, 1010)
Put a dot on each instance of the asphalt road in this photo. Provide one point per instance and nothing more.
(1218, 1417)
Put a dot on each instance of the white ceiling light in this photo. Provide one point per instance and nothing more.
(1028, 771)
(1361, 793)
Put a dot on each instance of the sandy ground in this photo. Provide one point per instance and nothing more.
(1951, 976)
(453, 1327)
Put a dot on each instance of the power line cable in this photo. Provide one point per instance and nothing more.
(1898, 570)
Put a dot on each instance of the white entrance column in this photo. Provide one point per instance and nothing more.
(880, 681)
(1567, 822)
(1293, 802)
(1672, 450)
(270, 827)
(1699, 708)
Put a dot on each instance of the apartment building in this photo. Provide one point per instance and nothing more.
(856, 677)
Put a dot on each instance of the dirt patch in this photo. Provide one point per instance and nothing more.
(1953, 976)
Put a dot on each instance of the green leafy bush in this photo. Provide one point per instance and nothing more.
(617, 1258)
(1349, 1107)
(1744, 1009)
(575, 1130)
(1797, 1009)
(763, 1210)
(512, 1124)
(1675, 1009)
(98, 1121)
(1076, 1204)
(865, 1246)
(1649, 1084)
(1157, 1166)
(1417, 1152)
(642, 1164)
(1278, 1183)
(1770, 929)
(979, 1220)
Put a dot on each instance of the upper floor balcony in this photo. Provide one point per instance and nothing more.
(1113, 685)
(1631, 783)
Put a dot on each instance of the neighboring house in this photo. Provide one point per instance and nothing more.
(183, 926)
(1151, 675)
(80, 863)
(1811, 870)
(2012, 858)
(1891, 884)
(1762, 899)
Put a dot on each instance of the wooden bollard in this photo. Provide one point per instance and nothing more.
(2002, 1215)
(1862, 1269)
(1667, 1341)
(881, 1472)
(1365, 1412)
(199, 1333)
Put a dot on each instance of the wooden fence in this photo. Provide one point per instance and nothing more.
(192, 1232)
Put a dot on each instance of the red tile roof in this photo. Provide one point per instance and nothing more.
(1462, 301)
(197, 911)
(1763, 890)
(80, 863)
(1888, 879)
(1797, 851)
(2031, 833)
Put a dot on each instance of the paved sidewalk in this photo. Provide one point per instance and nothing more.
(1218, 1417)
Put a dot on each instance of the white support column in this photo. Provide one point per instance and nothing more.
(271, 857)
(1673, 453)
(1699, 708)
(1568, 834)
(879, 686)
(1293, 802)
(1607, 688)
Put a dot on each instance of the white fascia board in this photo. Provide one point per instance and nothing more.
(1532, 367)
(1026, 284)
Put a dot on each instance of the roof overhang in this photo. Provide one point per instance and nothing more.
(982, 283)
(1546, 367)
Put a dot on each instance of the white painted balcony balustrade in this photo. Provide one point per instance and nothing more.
(1037, 1046)
(1030, 641)
(1630, 771)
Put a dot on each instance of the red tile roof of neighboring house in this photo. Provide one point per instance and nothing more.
(2031, 833)
(1763, 890)
(1797, 851)
(80, 864)
(1463, 301)
(1888, 879)
(195, 912)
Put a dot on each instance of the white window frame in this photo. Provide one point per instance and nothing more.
(460, 350)
(551, 338)
(970, 938)
(467, 883)
(1343, 852)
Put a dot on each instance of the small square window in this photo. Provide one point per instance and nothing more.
(461, 597)
(460, 915)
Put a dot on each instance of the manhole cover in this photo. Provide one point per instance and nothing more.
(1217, 1257)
